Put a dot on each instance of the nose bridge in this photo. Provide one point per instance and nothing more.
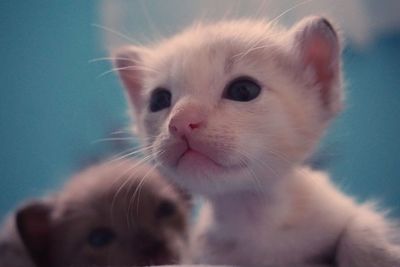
(189, 109)
(188, 116)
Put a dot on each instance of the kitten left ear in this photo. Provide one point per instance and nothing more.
(317, 43)
(128, 61)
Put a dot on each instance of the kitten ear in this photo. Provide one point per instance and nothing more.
(317, 43)
(34, 227)
(128, 61)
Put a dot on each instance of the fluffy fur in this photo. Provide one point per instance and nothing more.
(247, 157)
(122, 197)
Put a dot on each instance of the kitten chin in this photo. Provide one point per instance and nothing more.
(231, 110)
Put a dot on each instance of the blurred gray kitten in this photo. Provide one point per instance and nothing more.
(113, 214)
(231, 110)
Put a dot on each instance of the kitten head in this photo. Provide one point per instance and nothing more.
(109, 215)
(230, 105)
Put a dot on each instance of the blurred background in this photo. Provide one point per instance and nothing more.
(57, 104)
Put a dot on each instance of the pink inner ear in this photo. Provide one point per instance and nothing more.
(321, 52)
(317, 44)
(132, 82)
(128, 64)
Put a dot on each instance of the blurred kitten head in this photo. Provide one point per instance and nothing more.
(230, 105)
(114, 214)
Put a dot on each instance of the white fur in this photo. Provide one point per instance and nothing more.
(265, 207)
(312, 217)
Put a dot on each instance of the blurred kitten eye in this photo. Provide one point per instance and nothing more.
(160, 99)
(242, 89)
(165, 209)
(100, 237)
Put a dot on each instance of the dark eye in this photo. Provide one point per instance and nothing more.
(242, 89)
(165, 209)
(100, 237)
(160, 99)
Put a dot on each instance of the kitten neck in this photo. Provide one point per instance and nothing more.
(234, 209)
(226, 207)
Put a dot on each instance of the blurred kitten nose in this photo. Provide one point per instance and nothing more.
(186, 120)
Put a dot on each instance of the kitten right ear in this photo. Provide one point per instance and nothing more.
(318, 45)
(128, 61)
(34, 227)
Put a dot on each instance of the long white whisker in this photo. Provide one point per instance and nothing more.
(261, 9)
(136, 151)
(149, 21)
(289, 10)
(139, 185)
(114, 32)
(252, 173)
(112, 58)
(261, 163)
(113, 139)
(121, 131)
(138, 189)
(126, 181)
(129, 179)
(122, 153)
(135, 67)
(256, 45)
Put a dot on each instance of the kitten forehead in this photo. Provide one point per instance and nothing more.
(240, 31)
(233, 36)
(202, 56)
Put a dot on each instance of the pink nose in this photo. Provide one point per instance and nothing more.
(185, 121)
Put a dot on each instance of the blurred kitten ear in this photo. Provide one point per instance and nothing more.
(318, 45)
(34, 227)
(128, 61)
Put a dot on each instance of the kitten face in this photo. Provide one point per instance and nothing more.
(103, 218)
(220, 104)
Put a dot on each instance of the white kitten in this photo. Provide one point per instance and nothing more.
(231, 111)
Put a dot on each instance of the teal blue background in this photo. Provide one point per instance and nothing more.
(53, 106)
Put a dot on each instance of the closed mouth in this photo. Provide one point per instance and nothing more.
(198, 158)
(192, 152)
